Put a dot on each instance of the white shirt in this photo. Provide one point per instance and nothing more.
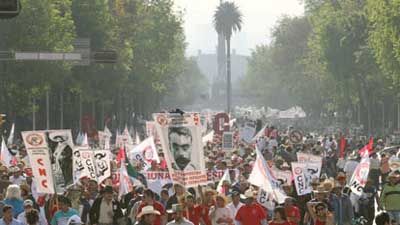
(220, 213)
(18, 181)
(183, 222)
(21, 217)
(234, 209)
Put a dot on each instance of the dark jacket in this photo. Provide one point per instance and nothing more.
(95, 211)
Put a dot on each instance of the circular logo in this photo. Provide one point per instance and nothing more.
(34, 140)
(362, 172)
(296, 136)
(298, 170)
(162, 120)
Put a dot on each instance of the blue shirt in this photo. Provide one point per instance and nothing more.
(17, 204)
(61, 218)
(13, 222)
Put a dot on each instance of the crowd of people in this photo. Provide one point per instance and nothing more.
(238, 203)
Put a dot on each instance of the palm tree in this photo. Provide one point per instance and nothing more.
(228, 19)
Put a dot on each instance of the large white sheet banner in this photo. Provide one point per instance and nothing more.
(89, 170)
(157, 180)
(360, 175)
(145, 153)
(266, 199)
(181, 140)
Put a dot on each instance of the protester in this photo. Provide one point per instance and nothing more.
(292, 212)
(235, 205)
(220, 213)
(390, 196)
(383, 218)
(13, 198)
(279, 217)
(28, 207)
(147, 216)
(193, 210)
(320, 214)
(64, 213)
(251, 213)
(177, 212)
(31, 218)
(148, 199)
(8, 218)
(105, 210)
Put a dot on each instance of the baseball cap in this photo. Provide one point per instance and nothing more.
(28, 202)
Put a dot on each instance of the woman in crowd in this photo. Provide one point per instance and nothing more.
(279, 217)
(320, 214)
(220, 213)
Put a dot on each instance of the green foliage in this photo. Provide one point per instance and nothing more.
(227, 19)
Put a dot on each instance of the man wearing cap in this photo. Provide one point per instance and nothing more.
(64, 213)
(147, 216)
(105, 210)
(250, 213)
(177, 211)
(28, 206)
(342, 207)
(8, 218)
(292, 212)
(390, 197)
(235, 205)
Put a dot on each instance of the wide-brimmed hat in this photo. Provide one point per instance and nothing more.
(315, 180)
(393, 175)
(148, 210)
(320, 190)
(108, 189)
(175, 208)
(28, 202)
(210, 190)
(249, 193)
(328, 184)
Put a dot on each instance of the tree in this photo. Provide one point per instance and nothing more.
(228, 19)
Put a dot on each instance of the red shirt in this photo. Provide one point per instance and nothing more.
(205, 209)
(194, 214)
(292, 211)
(157, 206)
(251, 215)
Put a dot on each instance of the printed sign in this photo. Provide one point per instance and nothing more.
(34, 139)
(300, 180)
(247, 131)
(227, 141)
(296, 136)
(41, 169)
(145, 153)
(180, 136)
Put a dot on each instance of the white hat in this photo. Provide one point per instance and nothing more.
(148, 210)
(74, 220)
(248, 194)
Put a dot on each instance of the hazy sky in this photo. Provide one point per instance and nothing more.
(259, 16)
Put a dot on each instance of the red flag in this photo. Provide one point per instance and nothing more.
(367, 148)
(121, 155)
(342, 146)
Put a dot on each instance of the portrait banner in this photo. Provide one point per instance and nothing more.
(247, 131)
(145, 153)
(102, 163)
(181, 140)
(41, 170)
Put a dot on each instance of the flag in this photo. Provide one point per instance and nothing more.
(125, 183)
(225, 177)
(360, 174)
(79, 139)
(368, 148)
(145, 153)
(262, 177)
(5, 156)
(137, 138)
(342, 147)
(11, 137)
(127, 136)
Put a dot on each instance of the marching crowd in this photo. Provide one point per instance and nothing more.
(237, 203)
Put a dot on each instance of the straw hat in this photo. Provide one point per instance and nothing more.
(148, 210)
(249, 193)
(175, 208)
(393, 175)
(328, 184)
(320, 190)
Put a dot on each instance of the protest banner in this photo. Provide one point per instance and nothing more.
(41, 169)
(284, 175)
(157, 180)
(88, 164)
(104, 139)
(296, 136)
(180, 136)
(145, 153)
(227, 141)
(102, 161)
(300, 180)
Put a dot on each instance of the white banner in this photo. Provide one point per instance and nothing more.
(157, 180)
(360, 175)
(284, 175)
(300, 181)
(102, 161)
(266, 199)
(180, 137)
(89, 170)
(145, 153)
(41, 169)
